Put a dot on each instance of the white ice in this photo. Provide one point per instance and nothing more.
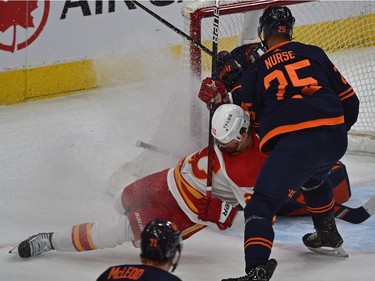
(57, 156)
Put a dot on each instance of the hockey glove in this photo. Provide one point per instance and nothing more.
(216, 211)
(230, 74)
(248, 54)
(222, 58)
(211, 89)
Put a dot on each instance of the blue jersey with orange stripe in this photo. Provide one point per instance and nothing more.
(292, 87)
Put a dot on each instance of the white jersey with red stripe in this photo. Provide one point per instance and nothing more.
(233, 177)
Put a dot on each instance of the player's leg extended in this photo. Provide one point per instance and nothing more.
(318, 193)
(81, 237)
(320, 203)
(288, 166)
(259, 234)
(271, 191)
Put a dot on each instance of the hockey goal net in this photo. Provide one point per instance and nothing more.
(344, 29)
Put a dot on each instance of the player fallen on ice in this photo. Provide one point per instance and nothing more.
(178, 194)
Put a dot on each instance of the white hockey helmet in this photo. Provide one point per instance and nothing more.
(227, 122)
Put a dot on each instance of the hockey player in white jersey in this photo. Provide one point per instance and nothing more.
(176, 194)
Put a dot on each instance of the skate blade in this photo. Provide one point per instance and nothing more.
(336, 252)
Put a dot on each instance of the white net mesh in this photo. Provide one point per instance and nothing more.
(344, 29)
(182, 129)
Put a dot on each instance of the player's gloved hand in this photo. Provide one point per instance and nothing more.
(230, 74)
(222, 59)
(216, 211)
(228, 71)
(248, 53)
(213, 89)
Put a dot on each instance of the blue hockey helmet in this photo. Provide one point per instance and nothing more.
(276, 20)
(161, 241)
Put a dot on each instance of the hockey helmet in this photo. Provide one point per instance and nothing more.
(229, 122)
(276, 20)
(161, 241)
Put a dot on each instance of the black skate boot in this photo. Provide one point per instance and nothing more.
(35, 245)
(326, 239)
(259, 273)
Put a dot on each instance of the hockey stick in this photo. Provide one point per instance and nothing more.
(157, 149)
(174, 28)
(355, 215)
(210, 156)
(342, 212)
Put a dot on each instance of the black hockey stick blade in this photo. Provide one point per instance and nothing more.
(157, 149)
(270, 268)
(355, 215)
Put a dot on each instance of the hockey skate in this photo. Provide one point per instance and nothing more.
(35, 245)
(259, 273)
(326, 239)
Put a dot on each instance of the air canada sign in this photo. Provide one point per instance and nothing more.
(22, 21)
(16, 15)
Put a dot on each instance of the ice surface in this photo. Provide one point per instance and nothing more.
(57, 156)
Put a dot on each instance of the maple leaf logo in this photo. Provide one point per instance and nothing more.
(15, 12)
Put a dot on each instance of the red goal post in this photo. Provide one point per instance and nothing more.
(199, 10)
(344, 29)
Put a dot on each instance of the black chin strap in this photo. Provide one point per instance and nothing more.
(174, 264)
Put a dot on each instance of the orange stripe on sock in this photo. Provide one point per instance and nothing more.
(75, 238)
(258, 241)
(321, 209)
(90, 244)
(81, 237)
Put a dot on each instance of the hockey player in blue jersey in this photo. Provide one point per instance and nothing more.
(302, 108)
(161, 245)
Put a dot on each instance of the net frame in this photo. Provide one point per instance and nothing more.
(362, 135)
(199, 10)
